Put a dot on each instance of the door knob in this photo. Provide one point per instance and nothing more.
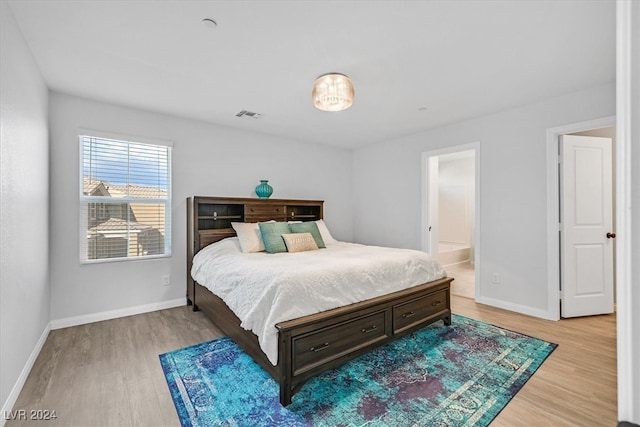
(611, 235)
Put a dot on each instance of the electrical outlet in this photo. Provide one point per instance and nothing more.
(166, 280)
(495, 278)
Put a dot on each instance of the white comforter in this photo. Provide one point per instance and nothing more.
(264, 289)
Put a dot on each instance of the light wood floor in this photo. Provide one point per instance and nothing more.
(108, 373)
(464, 283)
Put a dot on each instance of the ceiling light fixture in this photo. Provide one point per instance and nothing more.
(332, 92)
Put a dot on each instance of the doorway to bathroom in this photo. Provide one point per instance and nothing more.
(450, 214)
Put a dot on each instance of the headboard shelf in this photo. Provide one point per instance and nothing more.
(209, 219)
(216, 231)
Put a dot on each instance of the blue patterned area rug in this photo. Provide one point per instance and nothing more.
(458, 375)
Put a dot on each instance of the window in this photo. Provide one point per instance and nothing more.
(125, 200)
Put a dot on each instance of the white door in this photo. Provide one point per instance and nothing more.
(586, 216)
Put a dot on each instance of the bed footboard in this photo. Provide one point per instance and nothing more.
(313, 344)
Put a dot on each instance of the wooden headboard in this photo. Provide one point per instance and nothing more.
(209, 219)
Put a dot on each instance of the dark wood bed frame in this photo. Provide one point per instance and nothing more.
(311, 344)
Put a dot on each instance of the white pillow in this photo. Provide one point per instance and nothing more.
(324, 232)
(249, 236)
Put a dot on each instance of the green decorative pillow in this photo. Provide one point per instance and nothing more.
(308, 227)
(272, 236)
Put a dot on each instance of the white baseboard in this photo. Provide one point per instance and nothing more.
(523, 309)
(114, 314)
(22, 378)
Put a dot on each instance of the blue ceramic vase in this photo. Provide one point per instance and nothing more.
(264, 190)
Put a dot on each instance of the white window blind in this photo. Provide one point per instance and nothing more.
(125, 200)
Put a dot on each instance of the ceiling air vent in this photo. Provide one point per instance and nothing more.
(248, 114)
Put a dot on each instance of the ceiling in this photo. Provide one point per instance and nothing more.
(455, 59)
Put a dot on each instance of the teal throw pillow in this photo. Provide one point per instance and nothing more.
(308, 227)
(272, 236)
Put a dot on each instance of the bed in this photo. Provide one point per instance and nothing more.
(305, 345)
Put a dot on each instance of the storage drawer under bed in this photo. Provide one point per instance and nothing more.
(334, 341)
(419, 310)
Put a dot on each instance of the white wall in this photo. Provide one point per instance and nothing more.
(24, 209)
(512, 191)
(208, 160)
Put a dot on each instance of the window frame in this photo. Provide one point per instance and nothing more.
(101, 201)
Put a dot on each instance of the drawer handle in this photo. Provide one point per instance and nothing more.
(319, 348)
(371, 329)
(409, 314)
(436, 303)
